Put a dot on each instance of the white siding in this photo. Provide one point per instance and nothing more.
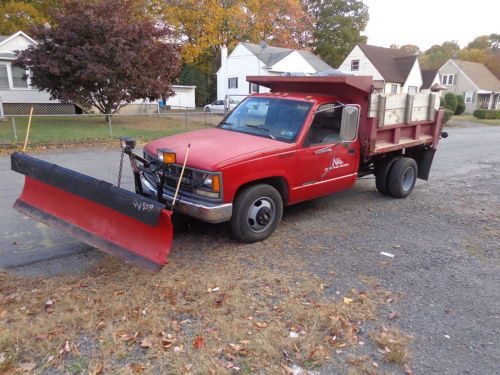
(414, 78)
(437, 79)
(388, 87)
(366, 68)
(240, 63)
(16, 95)
(293, 63)
(18, 43)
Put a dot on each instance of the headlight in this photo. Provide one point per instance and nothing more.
(166, 156)
(209, 187)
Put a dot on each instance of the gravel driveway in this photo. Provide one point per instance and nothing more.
(445, 239)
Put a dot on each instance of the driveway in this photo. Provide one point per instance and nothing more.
(445, 239)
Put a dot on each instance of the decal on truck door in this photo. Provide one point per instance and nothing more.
(336, 164)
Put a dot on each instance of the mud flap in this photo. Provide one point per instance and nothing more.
(117, 221)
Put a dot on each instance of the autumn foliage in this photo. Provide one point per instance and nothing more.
(102, 54)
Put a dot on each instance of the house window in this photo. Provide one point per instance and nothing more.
(232, 83)
(412, 89)
(394, 89)
(354, 64)
(253, 88)
(18, 77)
(448, 79)
(4, 78)
(469, 95)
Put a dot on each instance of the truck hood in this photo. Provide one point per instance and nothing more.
(212, 149)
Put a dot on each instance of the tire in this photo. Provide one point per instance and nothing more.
(382, 169)
(402, 177)
(257, 212)
(207, 109)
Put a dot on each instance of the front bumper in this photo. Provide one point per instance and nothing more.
(208, 212)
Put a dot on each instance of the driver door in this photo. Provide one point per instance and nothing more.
(326, 164)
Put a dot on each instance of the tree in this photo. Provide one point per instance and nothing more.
(480, 42)
(338, 25)
(437, 55)
(411, 48)
(102, 54)
(18, 15)
(193, 75)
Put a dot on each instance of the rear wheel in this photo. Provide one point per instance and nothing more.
(257, 212)
(382, 169)
(402, 177)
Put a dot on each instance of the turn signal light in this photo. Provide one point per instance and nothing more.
(215, 183)
(166, 156)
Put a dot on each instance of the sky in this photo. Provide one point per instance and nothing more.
(428, 22)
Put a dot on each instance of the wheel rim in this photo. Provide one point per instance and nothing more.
(261, 214)
(408, 179)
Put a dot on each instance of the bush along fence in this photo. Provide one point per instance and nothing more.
(486, 114)
(90, 128)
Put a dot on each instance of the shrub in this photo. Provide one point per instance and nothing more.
(441, 101)
(447, 115)
(450, 101)
(486, 114)
(460, 105)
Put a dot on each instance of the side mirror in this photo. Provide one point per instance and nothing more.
(349, 123)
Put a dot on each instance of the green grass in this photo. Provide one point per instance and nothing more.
(87, 129)
(476, 120)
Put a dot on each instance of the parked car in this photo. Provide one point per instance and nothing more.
(218, 106)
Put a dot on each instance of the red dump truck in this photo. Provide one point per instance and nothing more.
(308, 137)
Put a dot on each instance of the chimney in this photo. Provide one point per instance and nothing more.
(223, 55)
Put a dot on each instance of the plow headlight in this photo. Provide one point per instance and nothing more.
(126, 142)
(166, 156)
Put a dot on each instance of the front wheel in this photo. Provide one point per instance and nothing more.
(257, 212)
(402, 177)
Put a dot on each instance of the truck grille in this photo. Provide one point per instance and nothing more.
(172, 176)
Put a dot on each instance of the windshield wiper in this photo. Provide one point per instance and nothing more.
(262, 130)
(224, 123)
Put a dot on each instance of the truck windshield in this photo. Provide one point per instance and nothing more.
(274, 118)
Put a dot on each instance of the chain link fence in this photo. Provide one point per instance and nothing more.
(98, 128)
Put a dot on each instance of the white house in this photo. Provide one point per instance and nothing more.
(393, 70)
(430, 81)
(253, 59)
(16, 93)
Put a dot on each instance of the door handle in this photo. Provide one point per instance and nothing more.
(323, 150)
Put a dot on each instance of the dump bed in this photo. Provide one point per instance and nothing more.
(387, 122)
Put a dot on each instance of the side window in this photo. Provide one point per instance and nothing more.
(4, 78)
(325, 128)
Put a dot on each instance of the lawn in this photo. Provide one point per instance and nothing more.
(94, 129)
(471, 118)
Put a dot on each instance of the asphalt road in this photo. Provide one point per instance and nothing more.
(445, 239)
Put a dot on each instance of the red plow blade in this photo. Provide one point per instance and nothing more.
(117, 221)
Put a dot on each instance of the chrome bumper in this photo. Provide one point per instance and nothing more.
(210, 213)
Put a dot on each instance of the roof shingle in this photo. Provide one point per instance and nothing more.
(270, 55)
(394, 64)
(480, 75)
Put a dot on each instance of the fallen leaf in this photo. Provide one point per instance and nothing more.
(146, 342)
(27, 366)
(178, 349)
(137, 368)
(166, 343)
(393, 315)
(198, 342)
(348, 300)
(261, 324)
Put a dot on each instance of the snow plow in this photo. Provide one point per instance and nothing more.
(130, 226)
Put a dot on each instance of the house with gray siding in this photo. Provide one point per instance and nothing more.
(479, 87)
